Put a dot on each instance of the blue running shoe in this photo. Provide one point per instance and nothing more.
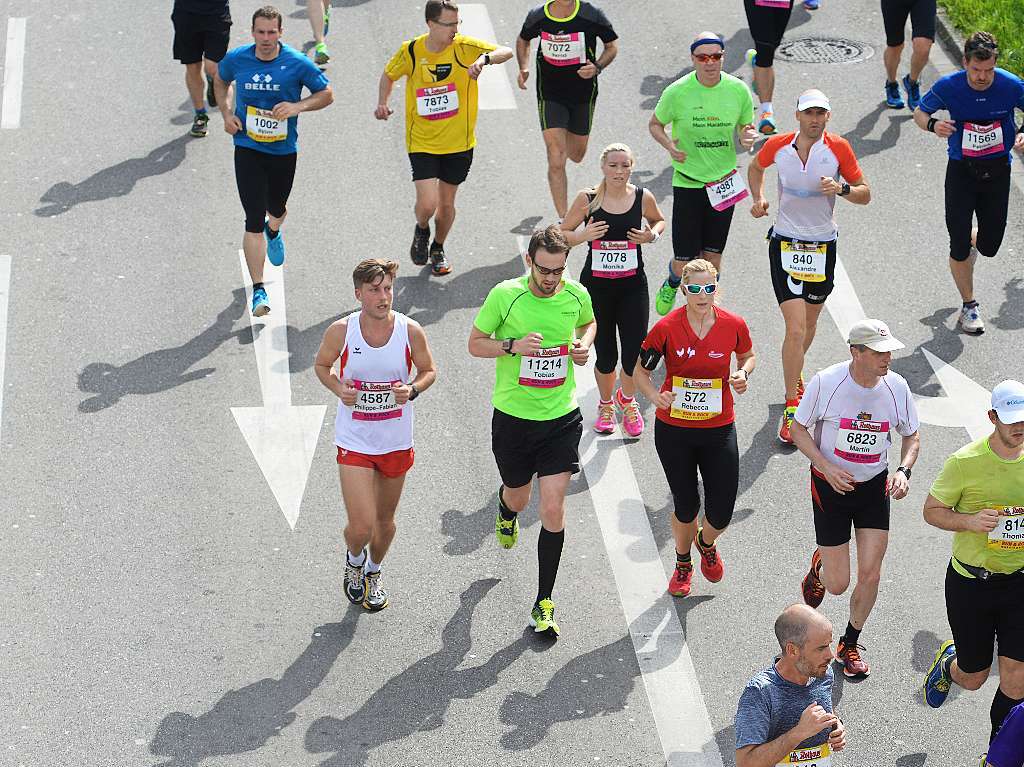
(275, 247)
(260, 304)
(893, 100)
(913, 92)
(938, 679)
(812, 5)
(766, 125)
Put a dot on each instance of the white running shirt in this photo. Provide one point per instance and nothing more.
(376, 424)
(851, 424)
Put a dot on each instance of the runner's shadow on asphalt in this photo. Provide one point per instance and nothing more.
(244, 720)
(186, 112)
(418, 698)
(468, 532)
(1011, 312)
(946, 343)
(116, 181)
(864, 146)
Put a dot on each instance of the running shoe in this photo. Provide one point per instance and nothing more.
(275, 246)
(420, 242)
(355, 583)
(812, 5)
(893, 99)
(506, 530)
(632, 418)
(786, 424)
(970, 321)
(800, 388)
(200, 125)
(811, 586)
(320, 54)
(848, 656)
(938, 680)
(682, 577)
(711, 565)
(766, 125)
(211, 94)
(913, 92)
(605, 423)
(260, 304)
(542, 618)
(327, 17)
(376, 595)
(438, 261)
(666, 298)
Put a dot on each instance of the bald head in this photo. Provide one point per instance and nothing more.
(707, 38)
(796, 622)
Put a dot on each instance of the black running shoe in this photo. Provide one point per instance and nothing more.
(420, 241)
(438, 261)
(199, 125)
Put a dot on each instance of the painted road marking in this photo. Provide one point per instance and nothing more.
(5, 292)
(14, 75)
(282, 437)
(494, 86)
(843, 304)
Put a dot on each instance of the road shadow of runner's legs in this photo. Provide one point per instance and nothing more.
(418, 698)
(946, 343)
(1011, 312)
(244, 720)
(865, 147)
(115, 181)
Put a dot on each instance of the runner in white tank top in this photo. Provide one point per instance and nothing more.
(376, 350)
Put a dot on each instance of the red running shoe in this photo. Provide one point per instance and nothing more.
(679, 583)
(848, 656)
(811, 586)
(711, 566)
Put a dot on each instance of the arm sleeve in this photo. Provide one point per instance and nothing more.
(910, 422)
(665, 108)
(807, 412)
(531, 24)
(849, 168)
(400, 64)
(746, 108)
(474, 48)
(933, 101)
(226, 69)
(766, 157)
(488, 319)
(586, 309)
(743, 342)
(604, 27)
(753, 719)
(312, 77)
(948, 487)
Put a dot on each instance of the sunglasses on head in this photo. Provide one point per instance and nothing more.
(703, 58)
(694, 290)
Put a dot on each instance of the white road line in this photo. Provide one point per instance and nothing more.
(495, 89)
(14, 74)
(680, 714)
(5, 286)
(843, 304)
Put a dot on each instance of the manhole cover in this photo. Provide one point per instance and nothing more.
(824, 50)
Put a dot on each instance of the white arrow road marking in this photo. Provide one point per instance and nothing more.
(282, 437)
(680, 714)
(14, 74)
(493, 88)
(966, 403)
(843, 304)
(5, 286)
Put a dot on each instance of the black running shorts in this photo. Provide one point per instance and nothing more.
(982, 612)
(866, 506)
(575, 118)
(197, 37)
(787, 287)
(450, 168)
(523, 448)
(696, 226)
(767, 26)
(894, 17)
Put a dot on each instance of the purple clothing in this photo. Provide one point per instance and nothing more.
(1007, 750)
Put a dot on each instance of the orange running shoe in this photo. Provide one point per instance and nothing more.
(848, 656)
(811, 586)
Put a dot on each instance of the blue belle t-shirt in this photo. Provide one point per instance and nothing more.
(985, 109)
(1007, 750)
(771, 705)
(262, 85)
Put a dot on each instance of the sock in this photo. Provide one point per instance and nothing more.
(1001, 705)
(357, 561)
(549, 552)
(970, 304)
(701, 542)
(683, 559)
(852, 635)
(605, 401)
(371, 566)
(624, 399)
(506, 513)
(256, 286)
(422, 229)
(201, 111)
(435, 245)
(766, 106)
(673, 280)
(272, 233)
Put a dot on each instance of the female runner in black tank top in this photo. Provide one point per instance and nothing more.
(614, 213)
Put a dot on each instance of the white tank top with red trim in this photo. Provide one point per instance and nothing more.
(375, 424)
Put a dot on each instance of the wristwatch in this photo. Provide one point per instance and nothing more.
(506, 345)
(905, 470)
(845, 190)
(414, 393)
(487, 59)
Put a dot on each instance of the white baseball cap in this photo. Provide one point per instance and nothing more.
(1008, 401)
(875, 335)
(812, 98)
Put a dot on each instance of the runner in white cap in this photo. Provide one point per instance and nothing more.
(852, 407)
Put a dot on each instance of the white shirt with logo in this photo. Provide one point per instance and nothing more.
(851, 425)
(376, 424)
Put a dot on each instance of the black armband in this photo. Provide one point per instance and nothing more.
(931, 124)
(649, 358)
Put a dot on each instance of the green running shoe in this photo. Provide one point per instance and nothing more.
(320, 55)
(666, 298)
(542, 618)
(507, 531)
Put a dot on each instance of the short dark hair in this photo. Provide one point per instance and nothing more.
(552, 239)
(434, 8)
(373, 270)
(268, 12)
(981, 46)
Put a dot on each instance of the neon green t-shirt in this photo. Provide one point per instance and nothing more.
(539, 388)
(703, 122)
(975, 478)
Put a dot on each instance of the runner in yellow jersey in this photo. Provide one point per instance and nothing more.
(441, 68)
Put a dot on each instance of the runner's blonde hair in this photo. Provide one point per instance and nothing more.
(598, 191)
(696, 266)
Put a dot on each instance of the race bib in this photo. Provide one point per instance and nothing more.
(861, 441)
(262, 126)
(697, 399)
(613, 259)
(546, 368)
(375, 401)
(804, 260)
(982, 140)
(772, 3)
(438, 102)
(727, 191)
(818, 756)
(563, 50)
(1008, 535)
